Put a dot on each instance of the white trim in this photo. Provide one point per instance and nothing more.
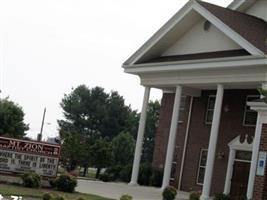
(236, 4)
(214, 132)
(198, 169)
(160, 33)
(224, 63)
(172, 137)
(178, 17)
(250, 110)
(261, 108)
(182, 108)
(227, 30)
(237, 145)
(234, 146)
(185, 142)
(245, 161)
(140, 138)
(241, 5)
(208, 60)
(229, 172)
(173, 178)
(209, 109)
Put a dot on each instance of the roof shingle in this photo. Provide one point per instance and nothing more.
(251, 28)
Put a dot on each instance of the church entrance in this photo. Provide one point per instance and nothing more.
(241, 168)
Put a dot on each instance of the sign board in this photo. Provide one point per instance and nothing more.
(261, 163)
(22, 156)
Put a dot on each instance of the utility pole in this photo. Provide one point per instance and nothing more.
(40, 135)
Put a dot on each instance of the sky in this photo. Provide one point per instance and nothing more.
(48, 47)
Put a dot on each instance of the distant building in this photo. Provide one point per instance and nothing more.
(209, 62)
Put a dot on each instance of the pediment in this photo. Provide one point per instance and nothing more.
(238, 144)
(203, 37)
(184, 34)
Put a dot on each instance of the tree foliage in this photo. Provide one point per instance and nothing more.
(12, 119)
(100, 153)
(98, 126)
(72, 150)
(123, 149)
(92, 114)
(150, 131)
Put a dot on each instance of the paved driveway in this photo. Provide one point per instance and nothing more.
(115, 190)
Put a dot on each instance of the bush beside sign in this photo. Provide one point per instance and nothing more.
(20, 156)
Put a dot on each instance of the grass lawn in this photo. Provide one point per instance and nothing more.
(7, 190)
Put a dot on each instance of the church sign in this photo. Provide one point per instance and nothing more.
(20, 156)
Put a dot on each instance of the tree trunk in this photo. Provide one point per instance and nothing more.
(85, 170)
(97, 172)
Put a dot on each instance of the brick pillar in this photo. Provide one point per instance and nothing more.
(260, 186)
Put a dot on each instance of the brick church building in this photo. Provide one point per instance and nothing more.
(212, 135)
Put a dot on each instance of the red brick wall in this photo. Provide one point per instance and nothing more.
(230, 127)
(260, 186)
(162, 134)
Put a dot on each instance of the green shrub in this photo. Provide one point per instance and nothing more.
(114, 172)
(80, 198)
(105, 177)
(156, 178)
(58, 197)
(125, 173)
(66, 183)
(52, 182)
(243, 197)
(48, 196)
(169, 193)
(194, 196)
(145, 174)
(221, 196)
(126, 197)
(31, 179)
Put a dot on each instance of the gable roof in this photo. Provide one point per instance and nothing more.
(214, 14)
(251, 28)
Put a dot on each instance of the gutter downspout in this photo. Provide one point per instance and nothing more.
(185, 142)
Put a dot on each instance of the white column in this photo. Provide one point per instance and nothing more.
(140, 137)
(229, 173)
(212, 143)
(172, 137)
(254, 159)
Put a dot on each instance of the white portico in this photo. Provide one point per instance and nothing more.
(181, 58)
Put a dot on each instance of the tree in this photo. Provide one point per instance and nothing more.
(123, 149)
(84, 111)
(12, 119)
(100, 153)
(71, 151)
(150, 130)
(93, 114)
(117, 115)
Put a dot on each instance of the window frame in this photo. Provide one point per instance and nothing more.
(209, 109)
(200, 166)
(174, 161)
(246, 110)
(182, 109)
